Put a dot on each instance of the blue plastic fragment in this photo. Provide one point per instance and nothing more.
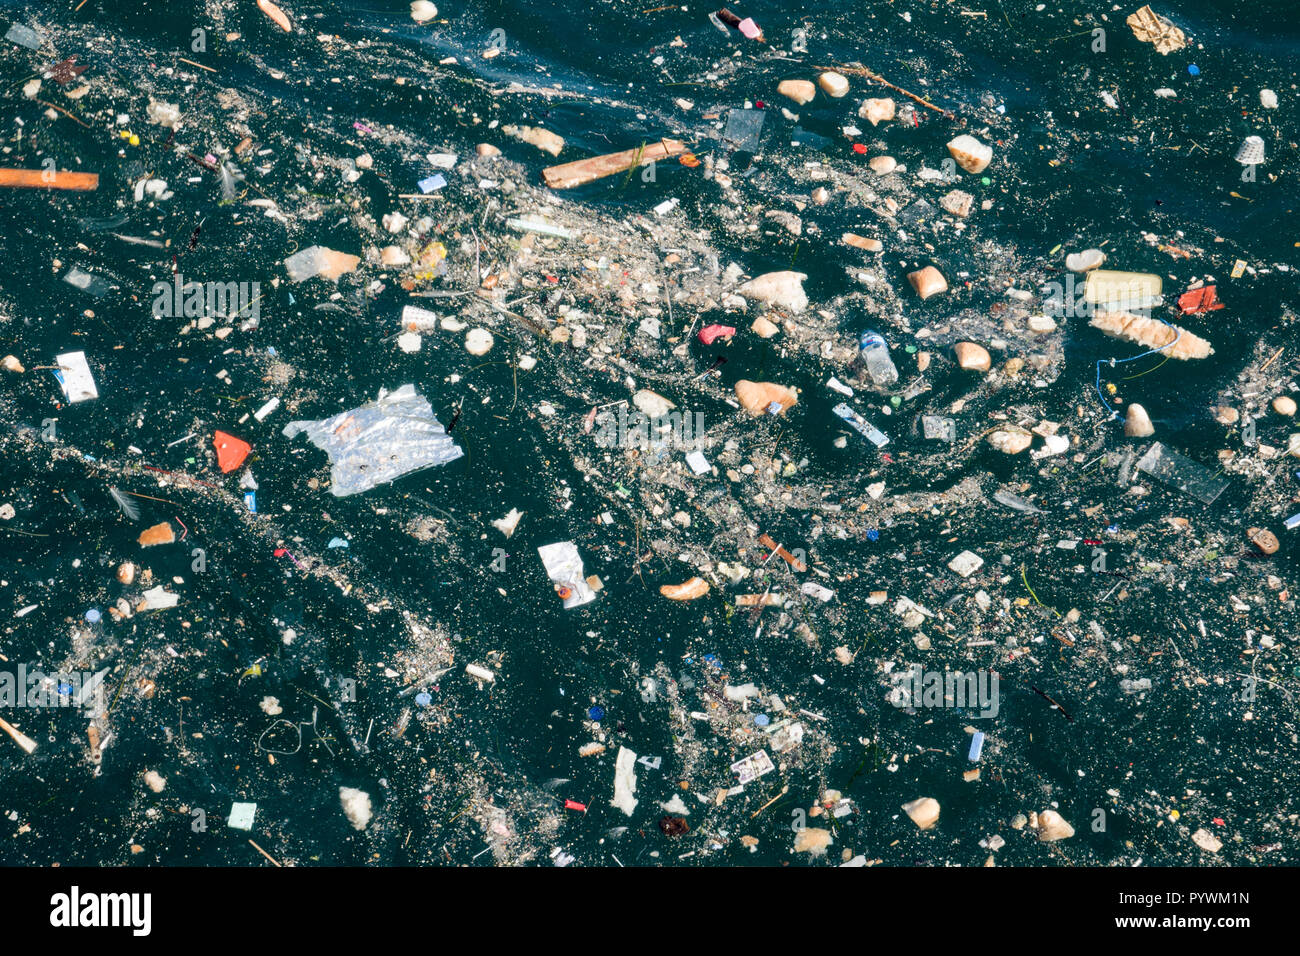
(1193, 69)
(337, 543)
(423, 699)
(93, 615)
(596, 712)
(436, 181)
(762, 720)
(976, 746)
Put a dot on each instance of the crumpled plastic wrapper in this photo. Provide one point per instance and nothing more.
(380, 441)
(564, 568)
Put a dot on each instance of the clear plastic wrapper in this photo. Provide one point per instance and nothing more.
(380, 441)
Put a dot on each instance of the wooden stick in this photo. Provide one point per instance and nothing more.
(782, 553)
(267, 855)
(199, 65)
(60, 109)
(871, 75)
(568, 175)
(48, 179)
(784, 791)
(20, 739)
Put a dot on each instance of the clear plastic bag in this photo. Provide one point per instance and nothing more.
(380, 441)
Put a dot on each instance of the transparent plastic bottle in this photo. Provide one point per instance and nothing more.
(875, 358)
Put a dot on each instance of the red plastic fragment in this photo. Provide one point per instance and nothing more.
(231, 451)
(859, 148)
(575, 805)
(1199, 300)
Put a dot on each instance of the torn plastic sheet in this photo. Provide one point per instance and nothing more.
(744, 128)
(785, 737)
(380, 441)
(938, 427)
(24, 36)
(1182, 473)
(564, 568)
(86, 282)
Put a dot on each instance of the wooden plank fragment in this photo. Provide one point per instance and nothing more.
(48, 179)
(582, 171)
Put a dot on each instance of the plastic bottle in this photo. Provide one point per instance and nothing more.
(875, 358)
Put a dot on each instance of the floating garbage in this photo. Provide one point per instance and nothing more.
(86, 282)
(625, 781)
(753, 767)
(319, 261)
(564, 567)
(861, 425)
(1149, 27)
(744, 127)
(1251, 151)
(1189, 477)
(537, 225)
(49, 179)
(380, 441)
(241, 816)
(24, 36)
(584, 171)
(939, 428)
(74, 376)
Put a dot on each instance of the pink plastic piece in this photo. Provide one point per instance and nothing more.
(711, 332)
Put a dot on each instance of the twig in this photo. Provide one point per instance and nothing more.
(200, 66)
(267, 855)
(784, 791)
(1064, 712)
(872, 75)
(64, 112)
